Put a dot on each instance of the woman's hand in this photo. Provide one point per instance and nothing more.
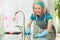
(28, 31)
(43, 34)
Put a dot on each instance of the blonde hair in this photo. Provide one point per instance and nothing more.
(45, 10)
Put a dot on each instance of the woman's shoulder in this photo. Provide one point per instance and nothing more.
(48, 16)
(33, 16)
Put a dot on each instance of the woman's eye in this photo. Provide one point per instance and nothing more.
(37, 8)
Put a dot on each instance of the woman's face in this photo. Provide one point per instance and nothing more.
(37, 9)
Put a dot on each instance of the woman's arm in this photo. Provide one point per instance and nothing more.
(29, 23)
(49, 28)
(28, 30)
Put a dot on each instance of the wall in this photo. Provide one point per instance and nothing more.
(11, 6)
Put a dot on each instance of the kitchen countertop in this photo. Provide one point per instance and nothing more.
(24, 37)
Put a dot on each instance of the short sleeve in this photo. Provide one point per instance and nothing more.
(32, 17)
(49, 16)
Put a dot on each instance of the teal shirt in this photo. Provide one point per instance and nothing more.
(35, 17)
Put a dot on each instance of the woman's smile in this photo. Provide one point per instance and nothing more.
(37, 9)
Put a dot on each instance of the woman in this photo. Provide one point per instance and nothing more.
(42, 17)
